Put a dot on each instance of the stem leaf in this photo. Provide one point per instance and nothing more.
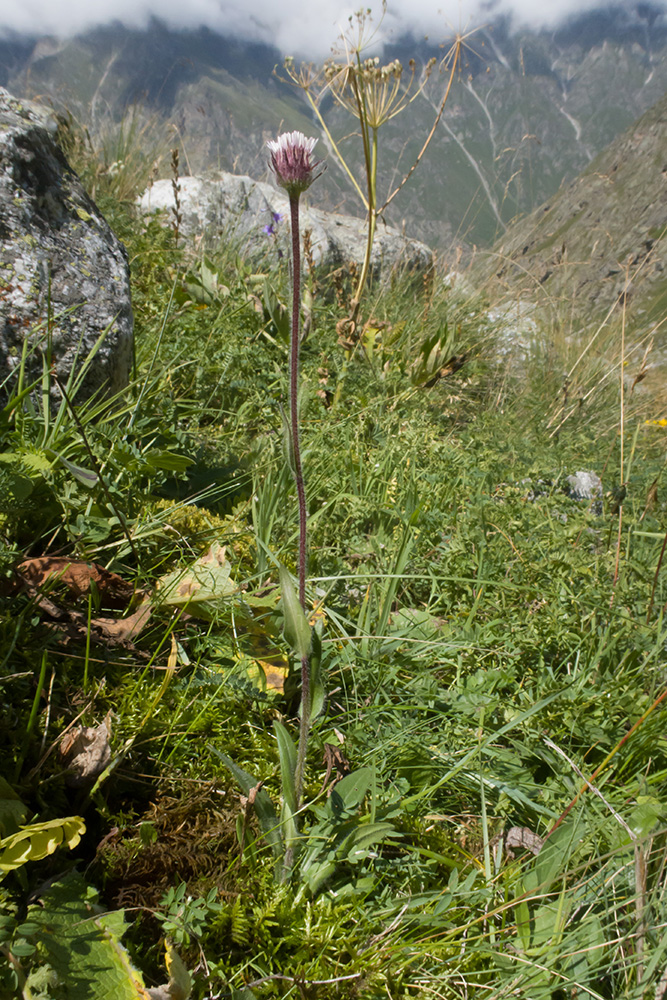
(297, 631)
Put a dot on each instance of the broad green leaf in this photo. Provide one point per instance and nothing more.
(180, 983)
(365, 837)
(558, 849)
(349, 793)
(443, 904)
(83, 476)
(82, 944)
(277, 313)
(287, 754)
(316, 874)
(522, 914)
(646, 815)
(550, 919)
(169, 461)
(210, 282)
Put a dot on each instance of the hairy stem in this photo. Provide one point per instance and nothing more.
(300, 487)
(294, 394)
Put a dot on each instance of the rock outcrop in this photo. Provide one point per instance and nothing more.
(255, 217)
(64, 277)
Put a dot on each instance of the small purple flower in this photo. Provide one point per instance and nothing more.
(270, 227)
(292, 162)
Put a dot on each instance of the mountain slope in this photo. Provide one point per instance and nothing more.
(600, 241)
(528, 111)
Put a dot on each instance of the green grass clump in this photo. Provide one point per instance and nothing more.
(489, 645)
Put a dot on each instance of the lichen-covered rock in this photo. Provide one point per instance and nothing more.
(255, 216)
(64, 277)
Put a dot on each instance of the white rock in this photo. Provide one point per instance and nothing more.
(237, 209)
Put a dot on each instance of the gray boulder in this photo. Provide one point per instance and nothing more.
(585, 486)
(64, 277)
(255, 216)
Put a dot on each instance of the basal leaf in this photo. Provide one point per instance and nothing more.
(317, 692)
(266, 813)
(349, 793)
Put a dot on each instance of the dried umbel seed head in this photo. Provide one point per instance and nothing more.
(292, 161)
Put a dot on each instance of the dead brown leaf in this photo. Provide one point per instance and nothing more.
(334, 760)
(78, 576)
(86, 752)
(117, 631)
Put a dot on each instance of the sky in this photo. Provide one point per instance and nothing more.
(305, 28)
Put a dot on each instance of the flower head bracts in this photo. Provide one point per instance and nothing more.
(292, 162)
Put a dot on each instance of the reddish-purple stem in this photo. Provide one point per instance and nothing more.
(294, 394)
(300, 487)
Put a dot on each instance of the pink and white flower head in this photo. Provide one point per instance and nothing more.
(292, 161)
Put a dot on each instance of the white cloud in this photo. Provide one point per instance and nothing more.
(299, 27)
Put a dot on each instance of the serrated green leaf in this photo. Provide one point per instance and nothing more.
(180, 982)
(82, 944)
